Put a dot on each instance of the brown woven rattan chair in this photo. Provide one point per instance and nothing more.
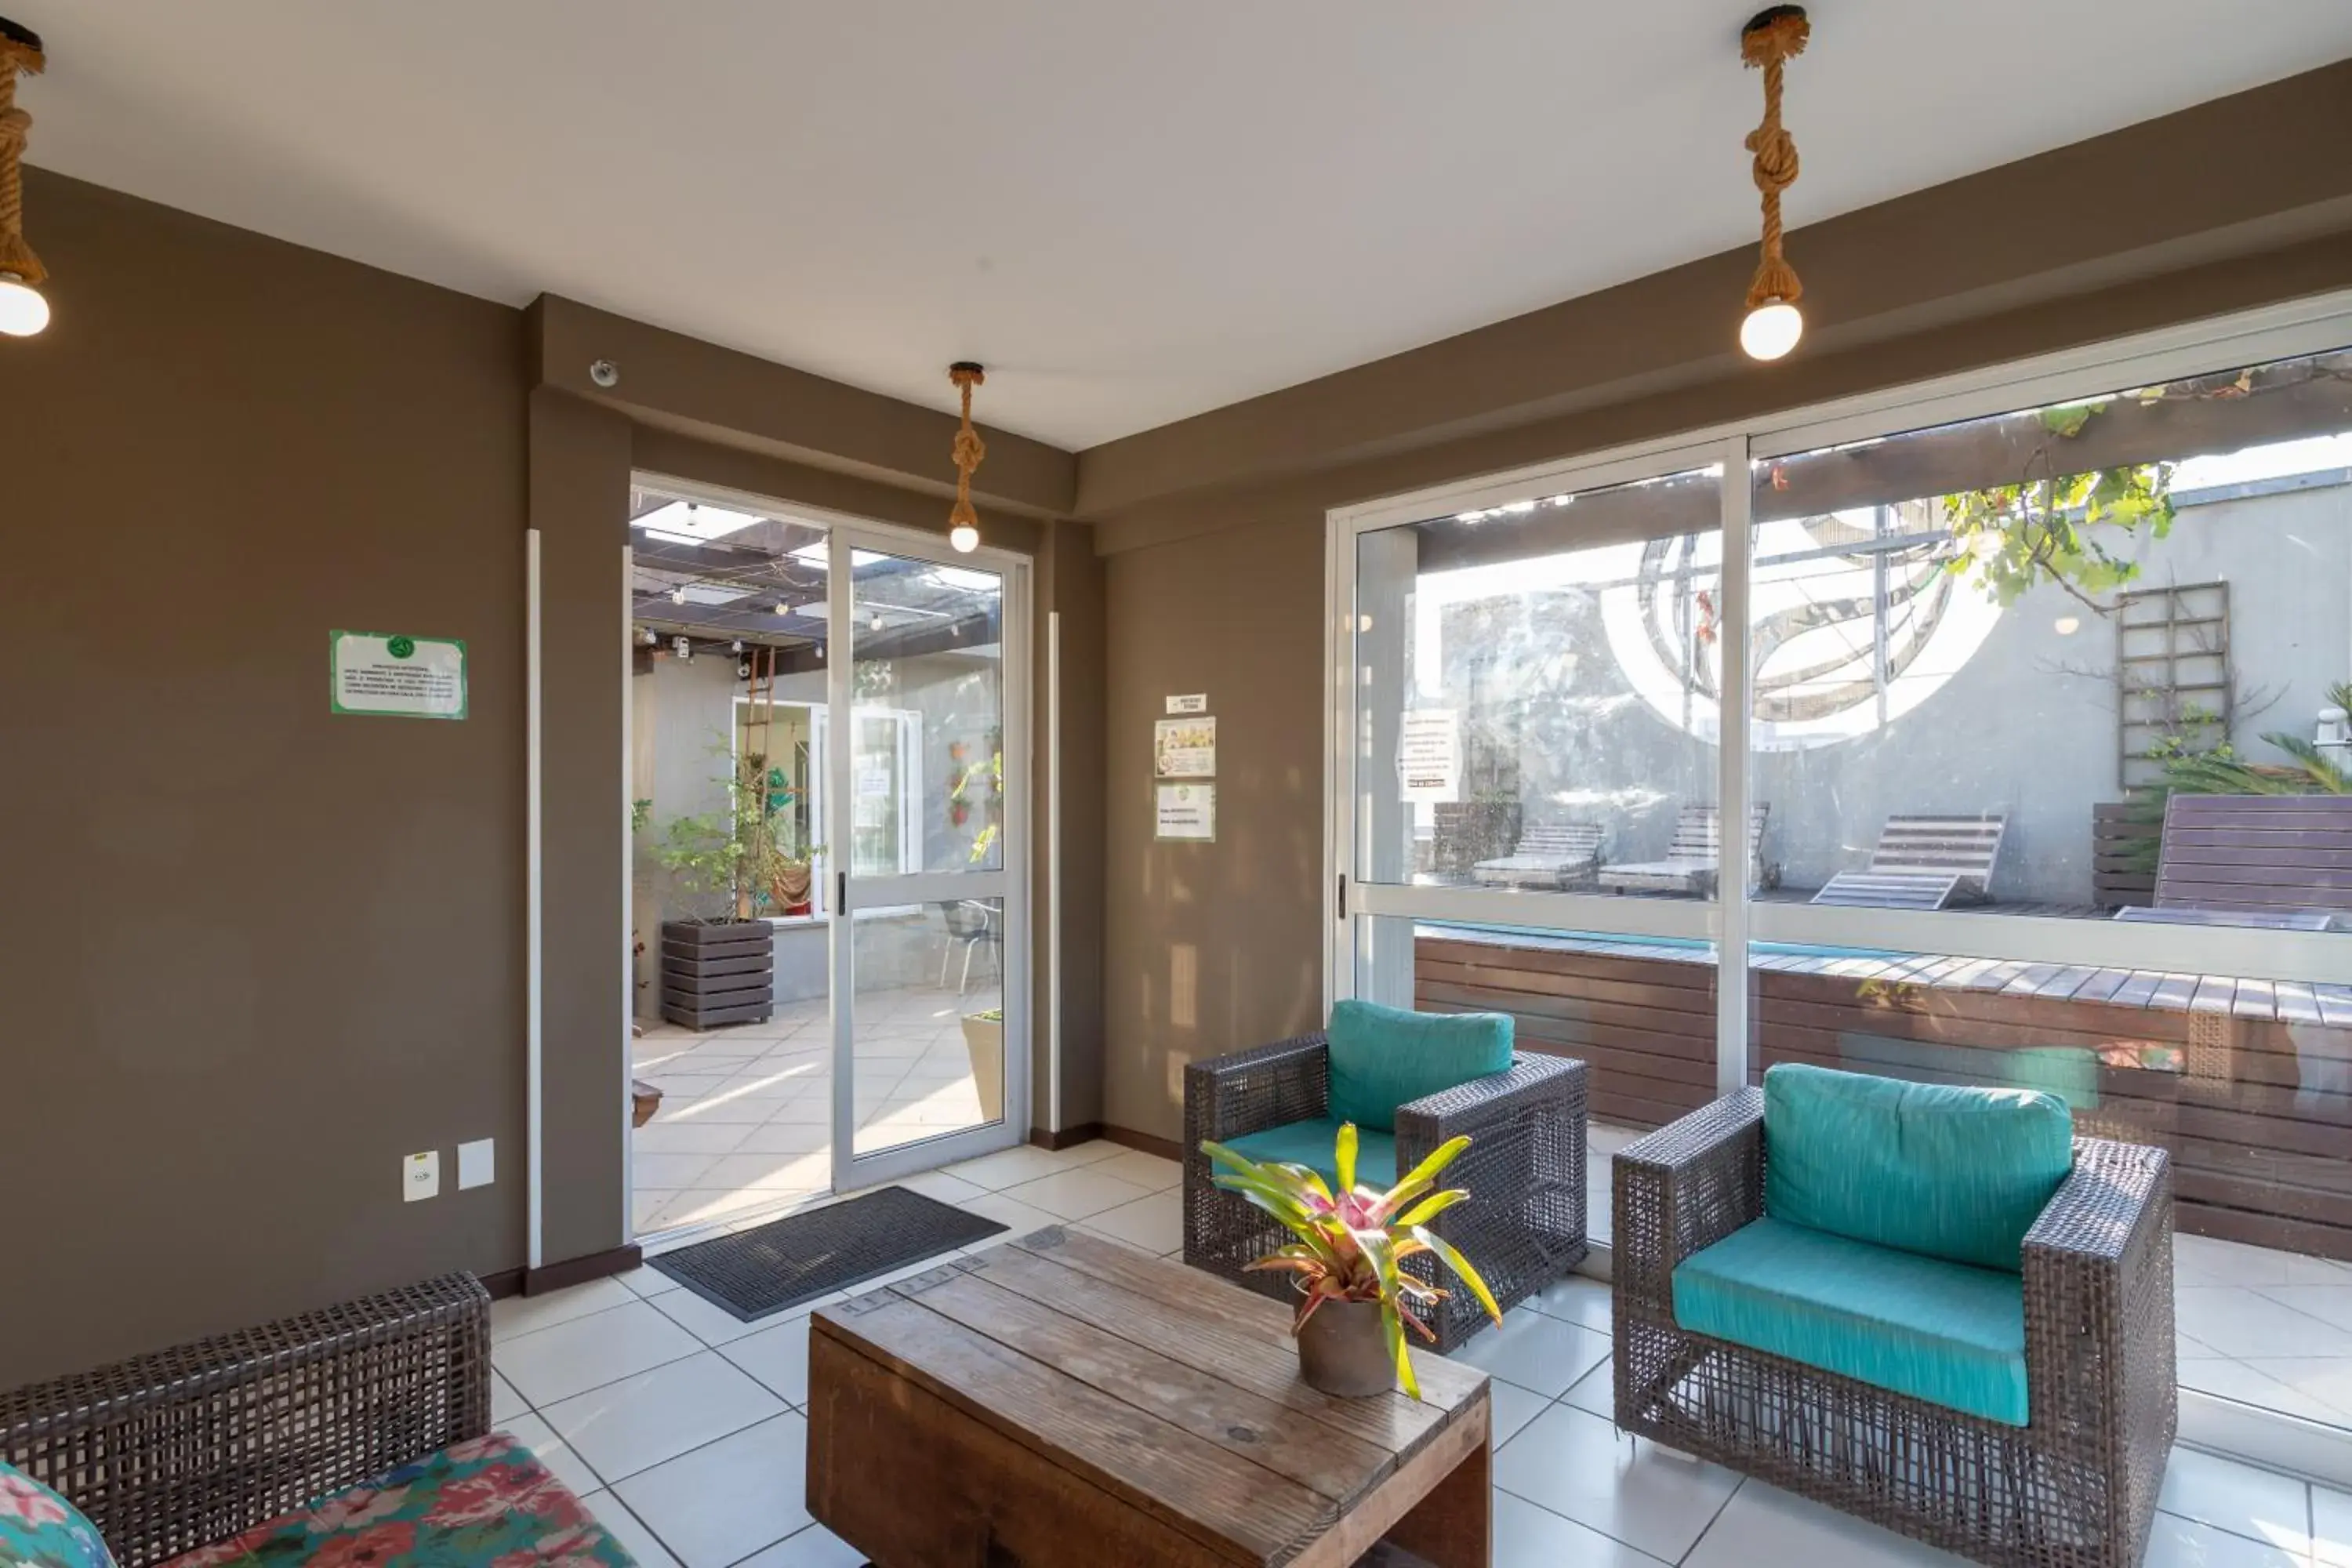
(187, 1447)
(2074, 1487)
(1523, 1226)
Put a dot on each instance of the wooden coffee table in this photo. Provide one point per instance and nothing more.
(1060, 1401)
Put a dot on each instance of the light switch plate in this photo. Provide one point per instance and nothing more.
(420, 1175)
(478, 1164)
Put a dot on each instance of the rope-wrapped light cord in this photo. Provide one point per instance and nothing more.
(1770, 42)
(15, 256)
(969, 450)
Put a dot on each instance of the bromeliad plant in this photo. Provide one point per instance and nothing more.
(1350, 1245)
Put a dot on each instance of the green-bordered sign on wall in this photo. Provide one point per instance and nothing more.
(393, 675)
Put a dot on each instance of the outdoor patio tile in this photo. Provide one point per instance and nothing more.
(676, 1172)
(815, 1104)
(1627, 1490)
(1575, 1299)
(778, 1355)
(513, 1315)
(647, 1283)
(574, 1357)
(1019, 1217)
(2259, 1504)
(722, 1502)
(939, 1184)
(640, 1543)
(506, 1403)
(1536, 1352)
(1010, 1167)
(1155, 1224)
(1075, 1193)
(641, 1421)
(1596, 1391)
(2237, 1380)
(713, 1138)
(2176, 1543)
(1527, 1536)
(786, 1137)
(2324, 1380)
(2331, 1527)
(2209, 1260)
(645, 1207)
(725, 1108)
(713, 1325)
(685, 1085)
(1149, 1172)
(795, 1170)
(2238, 1323)
(2331, 1304)
(553, 1452)
(1514, 1408)
(1763, 1524)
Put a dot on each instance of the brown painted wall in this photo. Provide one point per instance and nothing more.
(1216, 525)
(253, 953)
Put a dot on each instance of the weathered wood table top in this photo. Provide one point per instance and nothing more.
(1061, 1400)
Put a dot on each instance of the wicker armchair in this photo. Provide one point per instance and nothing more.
(2074, 1487)
(1524, 1227)
(176, 1450)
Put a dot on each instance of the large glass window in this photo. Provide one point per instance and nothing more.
(2045, 762)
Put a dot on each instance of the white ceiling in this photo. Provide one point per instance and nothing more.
(1130, 212)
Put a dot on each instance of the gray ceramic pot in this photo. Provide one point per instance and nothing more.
(1342, 1350)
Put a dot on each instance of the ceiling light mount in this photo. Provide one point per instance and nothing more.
(963, 523)
(1769, 41)
(23, 310)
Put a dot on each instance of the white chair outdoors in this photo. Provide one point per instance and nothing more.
(1923, 863)
(1551, 855)
(1692, 859)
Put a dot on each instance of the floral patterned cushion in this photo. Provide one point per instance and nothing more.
(483, 1504)
(39, 1529)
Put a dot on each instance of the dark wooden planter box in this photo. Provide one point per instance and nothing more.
(2121, 871)
(717, 974)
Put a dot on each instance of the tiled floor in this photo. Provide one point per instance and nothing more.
(685, 1432)
(745, 1123)
(2265, 1328)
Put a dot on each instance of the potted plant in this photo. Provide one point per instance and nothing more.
(984, 1041)
(1354, 1294)
(745, 860)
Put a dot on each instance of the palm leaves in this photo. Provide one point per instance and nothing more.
(1351, 1245)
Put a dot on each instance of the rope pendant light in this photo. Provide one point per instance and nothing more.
(1769, 41)
(23, 310)
(963, 523)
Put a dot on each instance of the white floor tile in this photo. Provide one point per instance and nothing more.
(1019, 1216)
(1596, 1391)
(1150, 1172)
(629, 1530)
(2259, 1504)
(722, 1502)
(1514, 1408)
(555, 1453)
(1764, 1524)
(939, 1184)
(1155, 1224)
(641, 1421)
(1008, 1167)
(513, 1315)
(1535, 1352)
(1527, 1536)
(2331, 1528)
(648, 1282)
(2181, 1543)
(506, 1403)
(1579, 1467)
(815, 1547)
(712, 1137)
(2238, 1323)
(786, 1137)
(1575, 1299)
(778, 1355)
(574, 1357)
(711, 1324)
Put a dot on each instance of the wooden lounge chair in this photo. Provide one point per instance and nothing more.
(1923, 863)
(1551, 855)
(2281, 862)
(1692, 858)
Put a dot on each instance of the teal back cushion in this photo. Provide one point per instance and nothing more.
(1937, 1169)
(1384, 1056)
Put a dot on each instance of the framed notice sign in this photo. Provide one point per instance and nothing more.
(1185, 748)
(393, 675)
(1185, 812)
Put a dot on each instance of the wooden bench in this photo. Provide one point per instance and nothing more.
(2277, 861)
(1692, 859)
(1551, 855)
(1923, 863)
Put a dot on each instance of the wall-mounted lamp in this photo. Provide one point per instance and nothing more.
(963, 523)
(1769, 41)
(24, 310)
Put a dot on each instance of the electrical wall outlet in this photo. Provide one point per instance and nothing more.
(478, 1164)
(420, 1175)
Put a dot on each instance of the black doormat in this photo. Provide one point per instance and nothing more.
(756, 1272)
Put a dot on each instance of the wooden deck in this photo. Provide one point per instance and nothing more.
(2247, 1083)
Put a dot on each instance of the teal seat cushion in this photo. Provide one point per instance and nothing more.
(39, 1528)
(1948, 1333)
(1942, 1170)
(1310, 1143)
(1383, 1058)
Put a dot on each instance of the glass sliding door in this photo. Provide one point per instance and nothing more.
(927, 825)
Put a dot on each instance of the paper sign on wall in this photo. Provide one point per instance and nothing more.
(1186, 811)
(1196, 703)
(1184, 748)
(392, 674)
(1429, 755)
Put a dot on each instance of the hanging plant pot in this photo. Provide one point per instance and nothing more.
(715, 973)
(1342, 1349)
(789, 889)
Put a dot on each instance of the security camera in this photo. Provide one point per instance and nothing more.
(743, 669)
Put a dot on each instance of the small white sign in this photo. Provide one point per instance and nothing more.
(1187, 812)
(1429, 755)
(1196, 703)
(420, 1176)
(396, 675)
(1184, 748)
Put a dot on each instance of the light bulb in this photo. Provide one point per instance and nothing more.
(23, 309)
(965, 537)
(1771, 330)
(784, 609)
